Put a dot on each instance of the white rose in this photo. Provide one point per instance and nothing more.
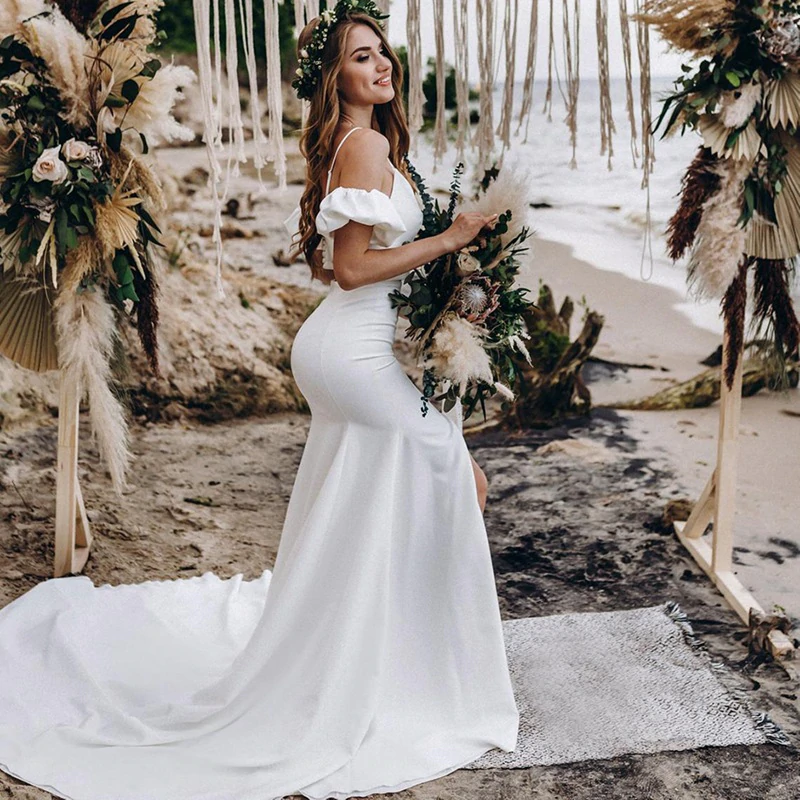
(467, 264)
(49, 167)
(75, 150)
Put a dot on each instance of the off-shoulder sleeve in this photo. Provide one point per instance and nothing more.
(369, 207)
(292, 222)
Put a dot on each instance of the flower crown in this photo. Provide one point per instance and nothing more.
(311, 56)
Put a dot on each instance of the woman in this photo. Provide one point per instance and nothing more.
(371, 658)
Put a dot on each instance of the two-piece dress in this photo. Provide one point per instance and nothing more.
(369, 659)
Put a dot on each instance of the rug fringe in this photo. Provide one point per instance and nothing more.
(771, 731)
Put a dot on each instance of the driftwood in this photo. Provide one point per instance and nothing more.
(551, 387)
(703, 390)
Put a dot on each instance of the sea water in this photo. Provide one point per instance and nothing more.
(602, 214)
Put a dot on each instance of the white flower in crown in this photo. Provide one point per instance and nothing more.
(327, 16)
(304, 53)
(299, 72)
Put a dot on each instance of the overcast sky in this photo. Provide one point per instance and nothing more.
(663, 63)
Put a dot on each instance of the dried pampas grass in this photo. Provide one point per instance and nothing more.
(86, 335)
(734, 307)
(697, 186)
(83, 260)
(510, 190)
(692, 25)
(151, 114)
(457, 353)
(773, 303)
(719, 242)
(737, 105)
(64, 50)
(13, 12)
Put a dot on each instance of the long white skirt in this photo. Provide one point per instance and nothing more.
(370, 659)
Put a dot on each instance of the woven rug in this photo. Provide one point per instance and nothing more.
(598, 685)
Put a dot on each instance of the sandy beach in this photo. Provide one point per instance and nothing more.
(210, 493)
(643, 327)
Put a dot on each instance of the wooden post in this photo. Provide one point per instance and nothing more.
(717, 505)
(73, 537)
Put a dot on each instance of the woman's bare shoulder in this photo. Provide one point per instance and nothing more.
(363, 161)
(364, 144)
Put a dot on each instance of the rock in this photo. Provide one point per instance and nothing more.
(585, 449)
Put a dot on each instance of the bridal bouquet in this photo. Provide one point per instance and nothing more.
(740, 204)
(77, 204)
(462, 309)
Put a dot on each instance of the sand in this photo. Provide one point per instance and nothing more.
(644, 327)
(573, 513)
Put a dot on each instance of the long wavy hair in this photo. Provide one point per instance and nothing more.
(317, 138)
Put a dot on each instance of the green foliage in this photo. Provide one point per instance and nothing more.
(433, 293)
(429, 85)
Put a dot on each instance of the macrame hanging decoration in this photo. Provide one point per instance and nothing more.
(572, 61)
(530, 72)
(416, 98)
(461, 64)
(510, 49)
(630, 107)
(484, 133)
(440, 125)
(607, 128)
(223, 119)
(222, 101)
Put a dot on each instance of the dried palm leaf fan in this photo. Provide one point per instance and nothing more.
(766, 240)
(27, 332)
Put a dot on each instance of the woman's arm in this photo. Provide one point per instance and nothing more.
(354, 264)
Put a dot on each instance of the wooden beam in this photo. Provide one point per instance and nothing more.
(717, 505)
(73, 537)
(732, 589)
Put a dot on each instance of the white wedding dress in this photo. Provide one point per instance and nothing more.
(371, 658)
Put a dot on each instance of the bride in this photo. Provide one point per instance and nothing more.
(371, 658)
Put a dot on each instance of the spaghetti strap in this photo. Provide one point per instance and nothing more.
(336, 152)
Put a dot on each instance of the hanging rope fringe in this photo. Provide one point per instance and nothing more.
(246, 21)
(530, 70)
(572, 67)
(510, 41)
(626, 58)
(218, 64)
(440, 131)
(277, 153)
(211, 119)
(416, 98)
(551, 59)
(648, 152)
(485, 131)
(607, 128)
(461, 30)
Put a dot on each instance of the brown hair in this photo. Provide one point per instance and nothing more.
(317, 138)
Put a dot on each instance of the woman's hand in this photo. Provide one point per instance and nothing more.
(466, 226)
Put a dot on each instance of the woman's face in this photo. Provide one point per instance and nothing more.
(366, 74)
